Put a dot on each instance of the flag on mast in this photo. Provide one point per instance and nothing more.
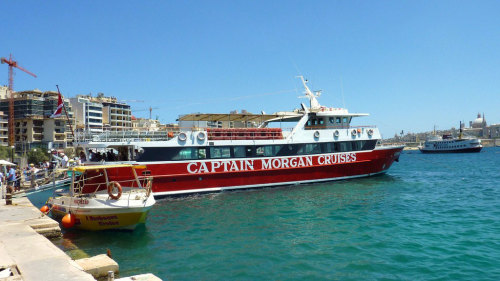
(59, 108)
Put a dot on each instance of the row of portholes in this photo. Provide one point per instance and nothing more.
(201, 136)
(353, 132)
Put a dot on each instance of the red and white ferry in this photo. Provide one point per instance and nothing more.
(322, 146)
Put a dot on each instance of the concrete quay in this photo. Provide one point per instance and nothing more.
(30, 256)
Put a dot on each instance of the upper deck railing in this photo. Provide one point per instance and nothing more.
(120, 136)
(245, 134)
(324, 127)
(212, 134)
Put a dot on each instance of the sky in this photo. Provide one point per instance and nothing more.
(411, 65)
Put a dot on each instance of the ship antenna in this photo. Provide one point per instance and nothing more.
(342, 91)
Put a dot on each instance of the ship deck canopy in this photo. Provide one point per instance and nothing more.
(241, 117)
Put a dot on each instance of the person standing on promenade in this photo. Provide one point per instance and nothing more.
(33, 171)
(17, 184)
(2, 185)
(83, 158)
(11, 177)
(65, 160)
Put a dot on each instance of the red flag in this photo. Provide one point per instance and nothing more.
(59, 108)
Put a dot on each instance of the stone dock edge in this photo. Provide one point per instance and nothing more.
(26, 253)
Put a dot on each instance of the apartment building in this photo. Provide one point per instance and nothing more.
(4, 92)
(88, 114)
(116, 115)
(4, 129)
(101, 113)
(33, 126)
(144, 124)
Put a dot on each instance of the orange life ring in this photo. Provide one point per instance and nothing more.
(111, 186)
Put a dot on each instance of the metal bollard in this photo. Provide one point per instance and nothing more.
(8, 196)
(111, 275)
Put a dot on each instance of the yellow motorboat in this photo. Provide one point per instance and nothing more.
(99, 198)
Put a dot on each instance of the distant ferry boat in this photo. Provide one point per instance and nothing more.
(448, 144)
(322, 146)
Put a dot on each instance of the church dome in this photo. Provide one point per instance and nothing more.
(479, 122)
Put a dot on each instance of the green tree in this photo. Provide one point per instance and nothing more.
(37, 155)
(5, 152)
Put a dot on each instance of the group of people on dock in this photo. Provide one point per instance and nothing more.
(13, 177)
(108, 156)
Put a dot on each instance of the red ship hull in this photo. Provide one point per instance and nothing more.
(246, 152)
(176, 178)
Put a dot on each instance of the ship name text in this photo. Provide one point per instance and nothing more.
(269, 164)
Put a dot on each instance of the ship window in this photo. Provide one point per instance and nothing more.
(368, 144)
(310, 148)
(276, 149)
(267, 150)
(172, 154)
(288, 150)
(249, 151)
(220, 152)
(321, 121)
(202, 153)
(239, 151)
(332, 120)
(186, 153)
(311, 121)
(337, 120)
(243, 151)
(259, 151)
(357, 145)
(328, 147)
(345, 120)
(343, 146)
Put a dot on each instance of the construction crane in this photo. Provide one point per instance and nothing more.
(12, 63)
(144, 109)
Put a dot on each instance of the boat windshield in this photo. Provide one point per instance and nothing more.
(89, 180)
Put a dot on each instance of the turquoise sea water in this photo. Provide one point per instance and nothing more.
(431, 217)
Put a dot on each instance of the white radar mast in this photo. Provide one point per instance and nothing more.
(314, 104)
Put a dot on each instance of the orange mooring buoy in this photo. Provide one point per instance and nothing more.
(68, 221)
(45, 209)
